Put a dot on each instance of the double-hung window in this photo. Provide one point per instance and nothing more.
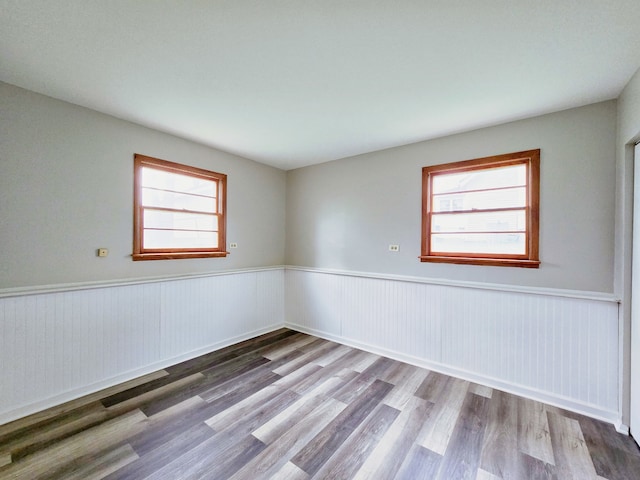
(179, 211)
(483, 211)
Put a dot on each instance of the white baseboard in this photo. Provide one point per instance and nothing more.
(622, 428)
(554, 400)
(75, 394)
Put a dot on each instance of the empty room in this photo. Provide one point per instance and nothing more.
(319, 240)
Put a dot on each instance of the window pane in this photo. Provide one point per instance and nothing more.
(508, 198)
(179, 239)
(513, 175)
(177, 201)
(179, 220)
(500, 243)
(479, 222)
(152, 177)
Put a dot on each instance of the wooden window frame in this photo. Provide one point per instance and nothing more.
(530, 259)
(139, 252)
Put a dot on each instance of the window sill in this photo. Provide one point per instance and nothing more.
(495, 262)
(177, 255)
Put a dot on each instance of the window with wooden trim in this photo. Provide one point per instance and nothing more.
(179, 211)
(483, 211)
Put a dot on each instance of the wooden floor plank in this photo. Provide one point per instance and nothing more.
(500, 454)
(420, 464)
(173, 397)
(363, 361)
(259, 410)
(484, 475)
(284, 421)
(262, 412)
(164, 453)
(219, 357)
(311, 352)
(300, 377)
(610, 455)
(481, 390)
(570, 450)
(381, 368)
(227, 417)
(403, 391)
(333, 355)
(279, 452)
(536, 469)
(347, 460)
(354, 387)
(533, 431)
(390, 452)
(318, 451)
(260, 374)
(290, 472)
(168, 424)
(158, 384)
(292, 344)
(242, 390)
(286, 405)
(21, 443)
(433, 386)
(317, 342)
(110, 461)
(323, 373)
(224, 451)
(462, 455)
(57, 457)
(449, 395)
(401, 373)
(40, 420)
(201, 461)
(148, 396)
(231, 460)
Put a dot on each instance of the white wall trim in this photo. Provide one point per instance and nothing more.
(71, 287)
(74, 394)
(553, 292)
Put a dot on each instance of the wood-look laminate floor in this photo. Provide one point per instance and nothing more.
(291, 406)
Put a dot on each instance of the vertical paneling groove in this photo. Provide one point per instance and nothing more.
(58, 346)
(556, 348)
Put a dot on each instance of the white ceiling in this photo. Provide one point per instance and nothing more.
(295, 82)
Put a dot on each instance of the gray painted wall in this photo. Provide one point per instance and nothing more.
(344, 214)
(66, 189)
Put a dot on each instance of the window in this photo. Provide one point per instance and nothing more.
(179, 211)
(483, 211)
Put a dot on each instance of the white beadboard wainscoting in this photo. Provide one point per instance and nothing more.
(557, 346)
(60, 343)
